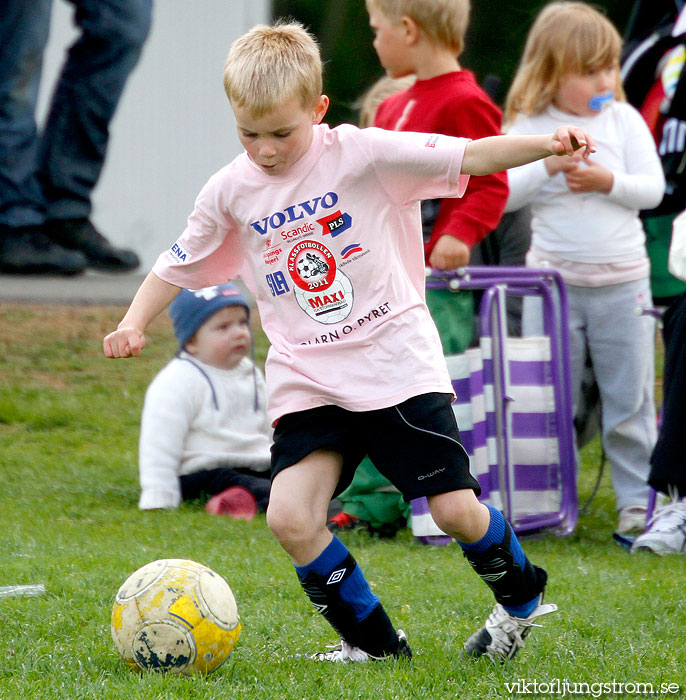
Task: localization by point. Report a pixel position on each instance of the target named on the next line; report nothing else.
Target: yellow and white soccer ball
(175, 615)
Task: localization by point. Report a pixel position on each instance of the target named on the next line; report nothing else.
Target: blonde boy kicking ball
(323, 227)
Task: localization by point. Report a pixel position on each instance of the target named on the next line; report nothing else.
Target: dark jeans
(208, 482)
(668, 462)
(52, 174)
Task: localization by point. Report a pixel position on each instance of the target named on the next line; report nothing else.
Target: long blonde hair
(566, 37)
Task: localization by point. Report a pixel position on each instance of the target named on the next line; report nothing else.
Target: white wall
(173, 127)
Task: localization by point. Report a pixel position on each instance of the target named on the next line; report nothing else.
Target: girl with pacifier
(586, 226)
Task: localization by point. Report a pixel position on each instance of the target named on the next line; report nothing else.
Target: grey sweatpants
(606, 322)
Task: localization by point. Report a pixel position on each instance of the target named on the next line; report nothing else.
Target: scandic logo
(295, 212)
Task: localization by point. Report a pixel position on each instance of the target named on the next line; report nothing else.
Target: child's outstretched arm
(495, 153)
(152, 297)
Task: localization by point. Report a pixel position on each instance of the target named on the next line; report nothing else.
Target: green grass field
(68, 506)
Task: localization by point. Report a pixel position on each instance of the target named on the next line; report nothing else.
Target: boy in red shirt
(426, 39)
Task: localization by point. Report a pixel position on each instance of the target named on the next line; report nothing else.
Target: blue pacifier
(598, 102)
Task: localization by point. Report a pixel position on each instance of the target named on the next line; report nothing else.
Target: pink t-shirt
(332, 251)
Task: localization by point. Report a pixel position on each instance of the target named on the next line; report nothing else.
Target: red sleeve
(456, 106)
(389, 111)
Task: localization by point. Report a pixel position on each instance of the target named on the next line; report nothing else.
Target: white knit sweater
(200, 417)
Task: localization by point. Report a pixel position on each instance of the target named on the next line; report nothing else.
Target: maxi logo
(295, 212)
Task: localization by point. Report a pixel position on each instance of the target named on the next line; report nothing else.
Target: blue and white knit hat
(192, 307)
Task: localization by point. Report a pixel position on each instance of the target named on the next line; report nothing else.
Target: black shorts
(415, 444)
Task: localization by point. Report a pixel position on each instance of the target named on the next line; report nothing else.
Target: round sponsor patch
(322, 291)
(311, 266)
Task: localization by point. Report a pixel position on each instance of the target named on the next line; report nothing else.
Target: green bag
(453, 314)
(658, 237)
(373, 499)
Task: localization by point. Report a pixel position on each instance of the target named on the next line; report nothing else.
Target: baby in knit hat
(204, 428)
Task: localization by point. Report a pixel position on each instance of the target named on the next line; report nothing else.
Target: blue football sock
(495, 536)
(523, 610)
(354, 589)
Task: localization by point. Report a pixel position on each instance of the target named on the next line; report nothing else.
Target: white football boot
(502, 636)
(344, 652)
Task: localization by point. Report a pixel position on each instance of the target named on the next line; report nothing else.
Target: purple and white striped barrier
(513, 404)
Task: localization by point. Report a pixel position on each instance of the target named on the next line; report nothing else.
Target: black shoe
(28, 251)
(80, 234)
(404, 651)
